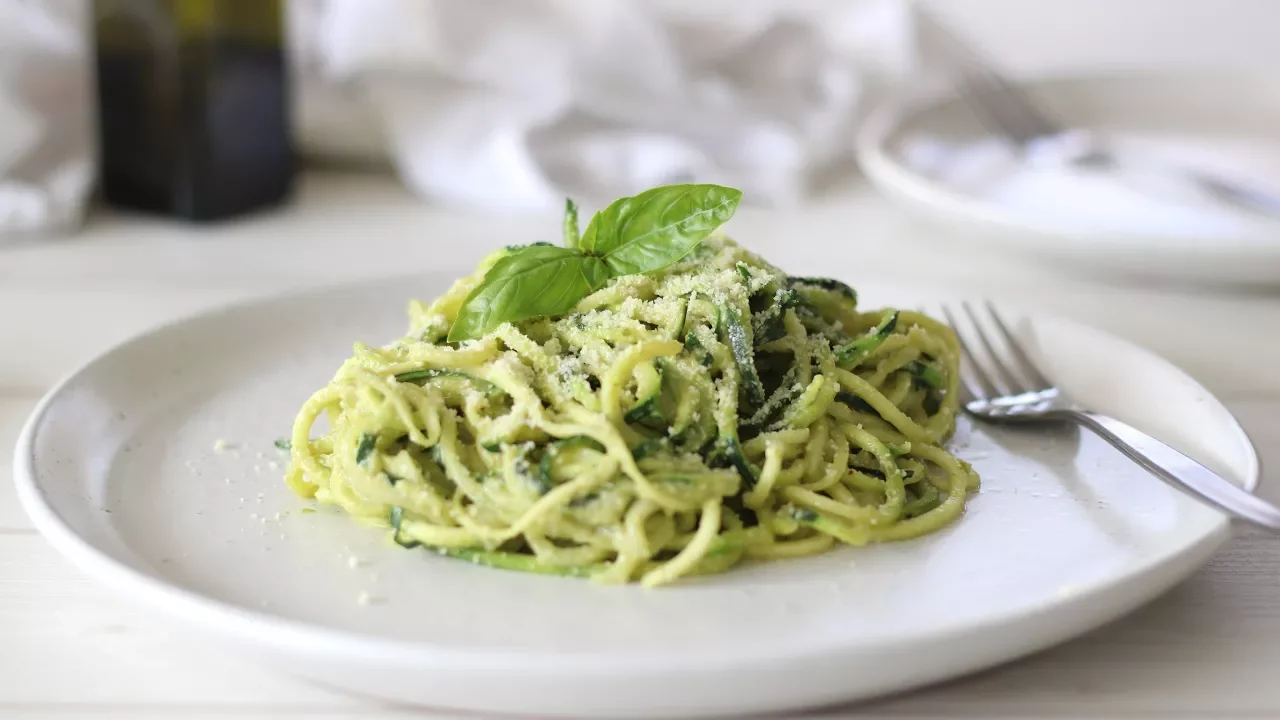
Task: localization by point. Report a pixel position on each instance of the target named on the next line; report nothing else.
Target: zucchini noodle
(674, 424)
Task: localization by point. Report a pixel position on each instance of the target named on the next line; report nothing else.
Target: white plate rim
(996, 230)
(292, 636)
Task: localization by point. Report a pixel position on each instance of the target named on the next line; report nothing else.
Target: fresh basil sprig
(633, 235)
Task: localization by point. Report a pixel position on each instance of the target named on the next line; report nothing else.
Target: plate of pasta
(640, 472)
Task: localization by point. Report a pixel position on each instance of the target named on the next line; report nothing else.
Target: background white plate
(1221, 121)
(117, 467)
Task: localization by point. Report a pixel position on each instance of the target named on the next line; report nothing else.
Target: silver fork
(1006, 109)
(1000, 383)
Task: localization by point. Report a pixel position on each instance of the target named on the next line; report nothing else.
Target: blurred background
(197, 108)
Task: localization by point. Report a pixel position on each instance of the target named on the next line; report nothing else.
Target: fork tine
(1007, 381)
(1010, 100)
(982, 75)
(1026, 367)
(999, 101)
(974, 382)
(995, 106)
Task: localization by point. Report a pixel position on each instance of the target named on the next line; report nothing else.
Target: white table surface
(68, 649)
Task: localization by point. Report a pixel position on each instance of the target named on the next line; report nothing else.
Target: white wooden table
(68, 649)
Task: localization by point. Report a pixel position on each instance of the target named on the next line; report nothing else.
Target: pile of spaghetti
(675, 423)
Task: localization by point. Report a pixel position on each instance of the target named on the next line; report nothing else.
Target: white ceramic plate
(118, 468)
(932, 156)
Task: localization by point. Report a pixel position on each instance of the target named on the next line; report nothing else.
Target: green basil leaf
(570, 224)
(657, 227)
(531, 281)
(587, 243)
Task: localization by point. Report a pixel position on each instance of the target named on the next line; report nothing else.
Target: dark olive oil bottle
(193, 106)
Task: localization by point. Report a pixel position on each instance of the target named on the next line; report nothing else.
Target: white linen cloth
(514, 104)
(46, 115)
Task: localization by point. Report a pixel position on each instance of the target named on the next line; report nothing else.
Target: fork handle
(1180, 471)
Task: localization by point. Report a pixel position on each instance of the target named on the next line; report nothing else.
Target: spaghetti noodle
(675, 423)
